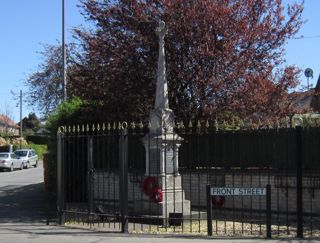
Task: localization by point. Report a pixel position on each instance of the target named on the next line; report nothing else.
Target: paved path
(26, 233)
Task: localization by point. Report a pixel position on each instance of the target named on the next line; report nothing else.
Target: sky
(26, 24)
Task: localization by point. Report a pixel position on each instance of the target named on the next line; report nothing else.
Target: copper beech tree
(45, 86)
(222, 56)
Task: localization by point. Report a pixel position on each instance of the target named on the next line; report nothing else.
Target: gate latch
(91, 171)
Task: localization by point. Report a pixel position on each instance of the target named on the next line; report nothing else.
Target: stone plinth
(173, 199)
(162, 153)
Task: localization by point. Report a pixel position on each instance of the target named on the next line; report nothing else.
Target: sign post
(209, 210)
(268, 210)
(239, 191)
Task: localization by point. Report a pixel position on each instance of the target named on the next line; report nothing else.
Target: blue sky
(25, 24)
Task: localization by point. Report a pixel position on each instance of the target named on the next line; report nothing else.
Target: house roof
(303, 100)
(308, 100)
(7, 121)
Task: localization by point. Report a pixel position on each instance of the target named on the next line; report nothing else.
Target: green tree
(30, 123)
(66, 113)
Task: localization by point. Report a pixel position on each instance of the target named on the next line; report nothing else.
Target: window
(21, 153)
(4, 156)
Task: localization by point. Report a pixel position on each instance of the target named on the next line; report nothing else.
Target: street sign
(238, 191)
(213, 192)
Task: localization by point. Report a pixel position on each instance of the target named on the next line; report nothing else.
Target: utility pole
(20, 118)
(64, 79)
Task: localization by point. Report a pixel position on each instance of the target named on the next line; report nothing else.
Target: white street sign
(238, 191)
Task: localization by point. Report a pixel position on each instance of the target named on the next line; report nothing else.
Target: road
(22, 197)
(21, 177)
(25, 207)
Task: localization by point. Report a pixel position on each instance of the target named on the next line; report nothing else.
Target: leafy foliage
(66, 113)
(222, 57)
(40, 149)
(46, 85)
(30, 124)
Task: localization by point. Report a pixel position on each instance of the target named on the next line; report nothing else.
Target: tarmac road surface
(23, 198)
(25, 208)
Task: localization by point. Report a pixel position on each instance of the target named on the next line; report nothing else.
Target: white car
(28, 157)
(10, 161)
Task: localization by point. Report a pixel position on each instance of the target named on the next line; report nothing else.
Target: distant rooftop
(7, 121)
(308, 100)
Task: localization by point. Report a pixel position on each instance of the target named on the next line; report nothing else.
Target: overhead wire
(306, 37)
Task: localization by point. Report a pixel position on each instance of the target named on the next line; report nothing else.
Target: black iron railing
(104, 180)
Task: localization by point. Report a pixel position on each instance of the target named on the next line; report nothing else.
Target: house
(308, 100)
(8, 127)
(315, 101)
(307, 105)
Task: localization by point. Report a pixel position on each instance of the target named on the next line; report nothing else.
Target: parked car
(28, 157)
(10, 161)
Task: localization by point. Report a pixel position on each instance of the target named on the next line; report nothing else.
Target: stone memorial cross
(162, 101)
(162, 116)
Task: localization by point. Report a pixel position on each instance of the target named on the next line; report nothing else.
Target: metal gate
(88, 169)
(103, 181)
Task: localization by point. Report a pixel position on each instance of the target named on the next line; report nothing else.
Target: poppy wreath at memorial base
(150, 188)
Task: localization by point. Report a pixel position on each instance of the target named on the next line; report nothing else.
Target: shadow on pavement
(26, 204)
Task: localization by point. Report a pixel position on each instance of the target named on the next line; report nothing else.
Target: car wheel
(11, 168)
(36, 165)
(21, 166)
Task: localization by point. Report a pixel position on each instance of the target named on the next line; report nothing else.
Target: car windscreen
(21, 153)
(4, 156)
